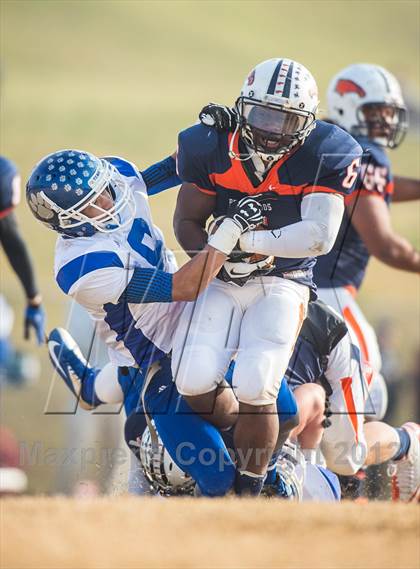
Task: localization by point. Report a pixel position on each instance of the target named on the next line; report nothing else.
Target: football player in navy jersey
(366, 101)
(301, 169)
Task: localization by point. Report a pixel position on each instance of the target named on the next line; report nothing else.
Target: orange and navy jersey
(327, 162)
(346, 263)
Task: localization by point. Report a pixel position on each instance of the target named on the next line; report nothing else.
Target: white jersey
(95, 271)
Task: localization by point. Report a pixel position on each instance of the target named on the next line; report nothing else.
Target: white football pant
(363, 335)
(259, 322)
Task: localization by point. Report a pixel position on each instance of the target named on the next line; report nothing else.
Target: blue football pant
(195, 445)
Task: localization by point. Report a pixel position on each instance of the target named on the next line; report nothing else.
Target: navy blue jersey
(9, 190)
(328, 161)
(305, 365)
(346, 263)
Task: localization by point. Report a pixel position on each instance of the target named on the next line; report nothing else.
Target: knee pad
(198, 371)
(255, 381)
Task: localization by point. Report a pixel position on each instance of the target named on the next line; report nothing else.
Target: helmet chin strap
(232, 153)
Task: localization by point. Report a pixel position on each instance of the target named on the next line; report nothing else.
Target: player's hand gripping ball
(241, 265)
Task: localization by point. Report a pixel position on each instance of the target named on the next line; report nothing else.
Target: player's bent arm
(191, 279)
(371, 218)
(406, 189)
(114, 283)
(315, 235)
(192, 210)
(152, 285)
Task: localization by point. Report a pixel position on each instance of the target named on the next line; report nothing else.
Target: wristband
(226, 236)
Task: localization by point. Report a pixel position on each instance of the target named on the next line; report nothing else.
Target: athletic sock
(248, 483)
(227, 436)
(88, 392)
(272, 470)
(404, 444)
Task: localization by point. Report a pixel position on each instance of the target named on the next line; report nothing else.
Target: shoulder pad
(323, 327)
(200, 151)
(198, 141)
(124, 167)
(332, 147)
(373, 153)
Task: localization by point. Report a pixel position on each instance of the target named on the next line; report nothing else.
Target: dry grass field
(123, 533)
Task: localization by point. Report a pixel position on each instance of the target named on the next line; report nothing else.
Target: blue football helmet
(63, 184)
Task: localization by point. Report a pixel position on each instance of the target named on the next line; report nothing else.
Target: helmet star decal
(65, 191)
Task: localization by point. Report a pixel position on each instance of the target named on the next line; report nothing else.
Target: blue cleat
(70, 364)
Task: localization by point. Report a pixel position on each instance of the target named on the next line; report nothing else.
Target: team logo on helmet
(40, 206)
(345, 86)
(251, 78)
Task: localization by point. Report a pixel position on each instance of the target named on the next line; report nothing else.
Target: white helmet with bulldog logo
(277, 108)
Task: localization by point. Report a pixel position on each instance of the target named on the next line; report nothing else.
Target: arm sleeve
(314, 235)
(161, 176)
(148, 285)
(18, 254)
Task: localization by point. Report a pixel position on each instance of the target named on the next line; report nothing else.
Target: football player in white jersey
(326, 367)
(112, 260)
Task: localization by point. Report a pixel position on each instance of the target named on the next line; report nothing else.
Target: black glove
(220, 117)
(247, 213)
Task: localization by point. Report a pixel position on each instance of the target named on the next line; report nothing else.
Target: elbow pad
(148, 285)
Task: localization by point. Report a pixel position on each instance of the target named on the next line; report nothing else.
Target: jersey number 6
(352, 173)
(138, 231)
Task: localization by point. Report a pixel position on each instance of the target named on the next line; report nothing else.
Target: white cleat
(406, 472)
(70, 364)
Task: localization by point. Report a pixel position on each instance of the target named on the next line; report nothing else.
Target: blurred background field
(124, 77)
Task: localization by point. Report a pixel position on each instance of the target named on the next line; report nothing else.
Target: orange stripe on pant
(351, 321)
(351, 408)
